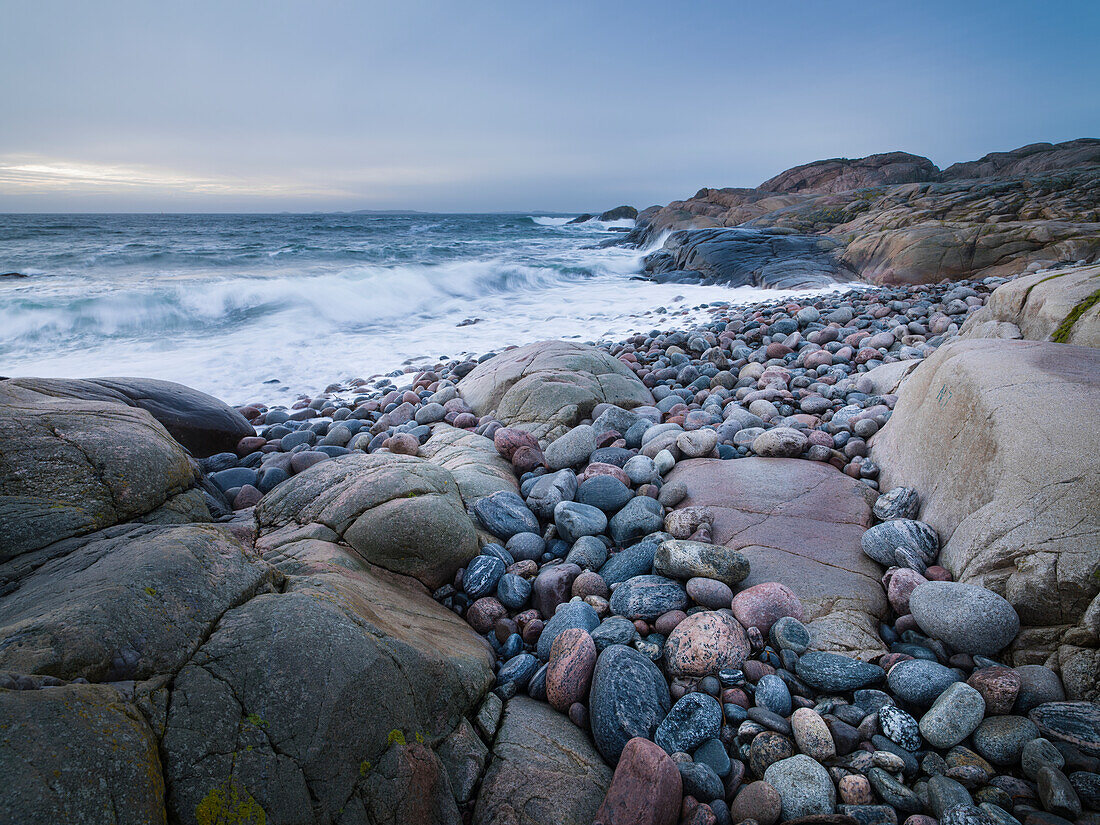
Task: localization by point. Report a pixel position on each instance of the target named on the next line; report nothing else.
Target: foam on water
(227, 306)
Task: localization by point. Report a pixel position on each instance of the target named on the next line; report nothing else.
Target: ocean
(268, 307)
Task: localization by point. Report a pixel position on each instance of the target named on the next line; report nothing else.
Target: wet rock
(569, 670)
(761, 605)
(694, 719)
(628, 698)
(647, 597)
(832, 672)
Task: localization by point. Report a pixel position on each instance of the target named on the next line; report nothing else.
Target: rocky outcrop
(473, 460)
(77, 753)
(843, 175)
(544, 771)
(200, 422)
(547, 387)
(797, 522)
(769, 258)
(399, 512)
(1062, 305)
(69, 466)
(619, 213)
(999, 438)
(901, 221)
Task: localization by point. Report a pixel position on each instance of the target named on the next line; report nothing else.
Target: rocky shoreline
(823, 561)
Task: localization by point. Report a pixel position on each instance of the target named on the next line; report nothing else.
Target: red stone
(998, 686)
(598, 468)
(525, 459)
(902, 584)
(553, 585)
(763, 604)
(935, 573)
(667, 622)
(482, 615)
(705, 643)
(247, 496)
(249, 444)
(508, 439)
(569, 669)
(645, 790)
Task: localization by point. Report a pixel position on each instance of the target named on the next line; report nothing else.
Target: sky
(485, 106)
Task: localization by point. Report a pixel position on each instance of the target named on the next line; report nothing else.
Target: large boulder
(77, 753)
(69, 466)
(999, 438)
(1061, 306)
(746, 256)
(798, 522)
(473, 460)
(313, 700)
(200, 422)
(547, 387)
(400, 512)
(843, 174)
(128, 602)
(544, 771)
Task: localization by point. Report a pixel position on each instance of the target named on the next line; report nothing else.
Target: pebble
(999, 686)
(970, 619)
(900, 502)
(880, 541)
(709, 593)
(700, 781)
(899, 727)
(588, 553)
(832, 672)
(606, 493)
(569, 669)
(920, 682)
(574, 520)
(761, 605)
(1057, 794)
(646, 788)
(571, 449)
(640, 517)
(569, 615)
(779, 442)
(767, 748)
(789, 633)
(705, 643)
(1077, 723)
(757, 801)
(953, 716)
(629, 697)
(481, 576)
(647, 597)
(504, 514)
(685, 559)
(804, 787)
(812, 735)
(1001, 739)
(694, 719)
(772, 693)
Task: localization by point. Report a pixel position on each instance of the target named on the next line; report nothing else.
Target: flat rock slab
(544, 771)
(798, 522)
(473, 460)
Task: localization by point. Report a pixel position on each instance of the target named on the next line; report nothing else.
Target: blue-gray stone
(833, 672)
(899, 727)
(549, 491)
(574, 520)
(920, 682)
(234, 477)
(499, 552)
(526, 546)
(536, 687)
(713, 753)
(604, 492)
(901, 502)
(614, 630)
(788, 633)
(636, 560)
(519, 669)
(513, 591)
(270, 478)
(291, 440)
(700, 781)
(772, 693)
(513, 646)
(880, 541)
(618, 456)
(640, 517)
(629, 698)
(694, 719)
(481, 576)
(968, 618)
(570, 614)
(647, 597)
(504, 514)
(588, 553)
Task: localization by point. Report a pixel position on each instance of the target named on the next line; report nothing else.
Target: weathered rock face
(400, 512)
(477, 467)
(974, 432)
(843, 175)
(547, 387)
(71, 753)
(124, 603)
(544, 771)
(1060, 305)
(800, 523)
(70, 466)
(200, 422)
(749, 257)
(903, 222)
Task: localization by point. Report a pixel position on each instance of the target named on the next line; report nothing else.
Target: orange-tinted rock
(704, 643)
(569, 671)
(645, 790)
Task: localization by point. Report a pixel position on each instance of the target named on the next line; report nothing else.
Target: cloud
(25, 174)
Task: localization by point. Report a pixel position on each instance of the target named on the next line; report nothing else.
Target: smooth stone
(518, 670)
(705, 643)
(899, 727)
(549, 491)
(636, 560)
(647, 597)
(640, 517)
(970, 619)
(1057, 794)
(1039, 753)
(606, 493)
(504, 514)
(713, 753)
(804, 787)
(757, 801)
(1038, 685)
(767, 748)
(1087, 786)
(901, 502)
(1001, 739)
(513, 591)
(763, 604)
(481, 576)
(614, 630)
(812, 735)
(953, 716)
(645, 790)
(628, 698)
(709, 593)
(526, 546)
(640, 470)
(772, 693)
(919, 681)
(694, 719)
(779, 442)
(588, 553)
(880, 541)
(569, 668)
(571, 449)
(685, 559)
(697, 443)
(944, 793)
(553, 586)
(832, 672)
(998, 685)
(574, 520)
(893, 792)
(569, 615)
(789, 633)
(700, 781)
(1077, 723)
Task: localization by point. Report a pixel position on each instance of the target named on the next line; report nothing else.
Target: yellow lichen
(395, 736)
(230, 806)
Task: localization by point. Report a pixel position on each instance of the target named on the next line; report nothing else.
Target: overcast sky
(471, 106)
